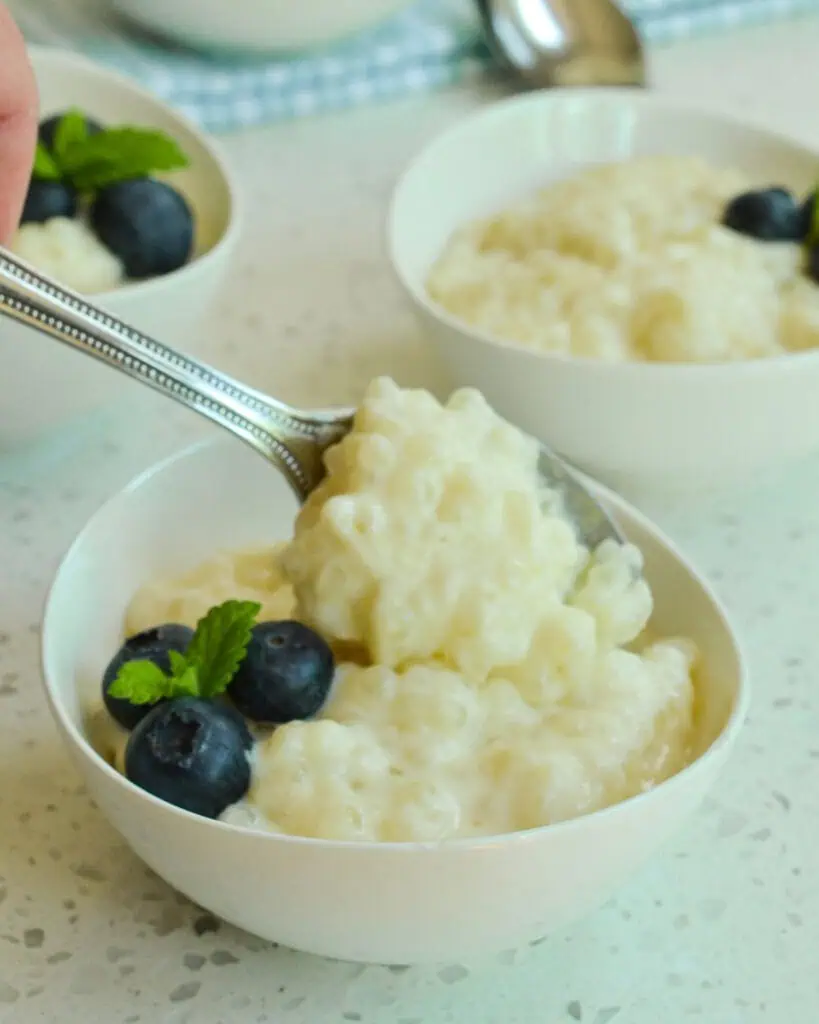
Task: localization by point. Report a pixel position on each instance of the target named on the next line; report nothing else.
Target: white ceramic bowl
(387, 903)
(636, 426)
(257, 25)
(44, 384)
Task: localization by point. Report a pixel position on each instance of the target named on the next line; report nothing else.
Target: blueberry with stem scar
(191, 753)
(286, 673)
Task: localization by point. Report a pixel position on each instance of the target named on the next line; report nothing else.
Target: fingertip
(19, 102)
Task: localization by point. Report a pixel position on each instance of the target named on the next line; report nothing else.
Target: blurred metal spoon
(564, 42)
(294, 440)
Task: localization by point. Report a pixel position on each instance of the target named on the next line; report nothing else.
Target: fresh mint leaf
(140, 682)
(45, 166)
(143, 682)
(219, 644)
(118, 154)
(71, 131)
(215, 652)
(184, 683)
(179, 663)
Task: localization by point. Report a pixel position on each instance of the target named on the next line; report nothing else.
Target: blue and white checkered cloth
(430, 44)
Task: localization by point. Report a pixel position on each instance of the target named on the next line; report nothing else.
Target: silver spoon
(564, 42)
(294, 440)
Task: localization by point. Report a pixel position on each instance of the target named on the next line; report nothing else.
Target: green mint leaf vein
(140, 682)
(219, 644)
(117, 154)
(45, 166)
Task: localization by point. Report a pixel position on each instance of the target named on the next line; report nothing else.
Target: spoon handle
(292, 439)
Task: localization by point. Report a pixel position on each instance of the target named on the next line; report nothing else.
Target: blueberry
(769, 215)
(146, 223)
(151, 645)
(48, 128)
(47, 199)
(286, 673)
(233, 712)
(191, 753)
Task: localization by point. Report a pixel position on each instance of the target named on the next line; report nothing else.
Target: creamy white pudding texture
(493, 675)
(629, 261)
(69, 251)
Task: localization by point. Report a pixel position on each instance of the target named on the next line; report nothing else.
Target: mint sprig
(92, 161)
(117, 154)
(220, 643)
(142, 682)
(71, 131)
(218, 646)
(45, 166)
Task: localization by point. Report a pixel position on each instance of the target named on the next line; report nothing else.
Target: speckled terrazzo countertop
(722, 928)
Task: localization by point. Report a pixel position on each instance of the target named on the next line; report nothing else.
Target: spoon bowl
(564, 42)
(294, 440)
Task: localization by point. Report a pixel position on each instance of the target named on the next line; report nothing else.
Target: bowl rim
(485, 117)
(721, 744)
(147, 288)
(200, 43)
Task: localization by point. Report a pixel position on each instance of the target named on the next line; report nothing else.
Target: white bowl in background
(637, 426)
(44, 384)
(383, 903)
(257, 25)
